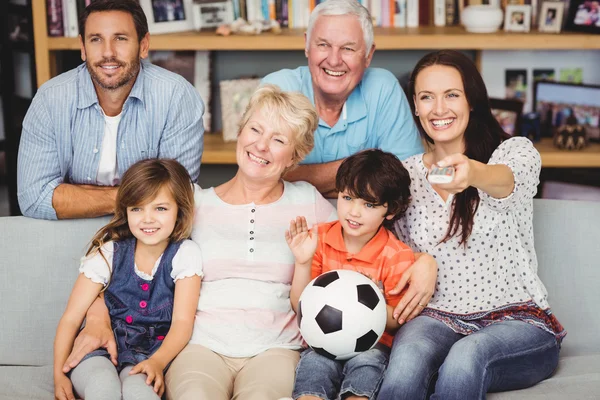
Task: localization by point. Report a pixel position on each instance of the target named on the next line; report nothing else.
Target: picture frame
(211, 13)
(517, 18)
(509, 113)
(584, 16)
(555, 101)
(235, 96)
(168, 16)
(551, 16)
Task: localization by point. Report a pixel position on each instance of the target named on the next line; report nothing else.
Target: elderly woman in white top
(488, 326)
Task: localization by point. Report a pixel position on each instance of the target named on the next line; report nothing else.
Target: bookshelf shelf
(216, 151)
(423, 38)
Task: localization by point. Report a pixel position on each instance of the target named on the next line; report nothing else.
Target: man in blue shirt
(85, 127)
(359, 107)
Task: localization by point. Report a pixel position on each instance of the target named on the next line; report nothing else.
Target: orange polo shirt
(383, 259)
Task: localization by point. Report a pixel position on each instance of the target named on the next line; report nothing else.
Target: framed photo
(166, 16)
(508, 113)
(517, 18)
(235, 96)
(211, 13)
(556, 101)
(584, 16)
(551, 16)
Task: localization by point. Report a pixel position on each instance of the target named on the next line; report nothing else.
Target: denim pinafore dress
(140, 310)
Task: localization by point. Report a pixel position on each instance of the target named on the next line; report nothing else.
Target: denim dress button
(143, 304)
(129, 319)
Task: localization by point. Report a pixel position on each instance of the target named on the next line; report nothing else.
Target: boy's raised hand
(63, 389)
(154, 370)
(301, 240)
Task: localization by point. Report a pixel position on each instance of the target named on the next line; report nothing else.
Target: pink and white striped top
(244, 306)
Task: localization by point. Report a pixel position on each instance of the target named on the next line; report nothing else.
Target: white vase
(482, 18)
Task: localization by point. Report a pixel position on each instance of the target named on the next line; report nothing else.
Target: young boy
(374, 191)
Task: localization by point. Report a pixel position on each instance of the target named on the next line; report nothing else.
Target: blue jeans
(328, 379)
(503, 356)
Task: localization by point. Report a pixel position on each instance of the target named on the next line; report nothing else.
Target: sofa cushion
(576, 378)
(26, 383)
(35, 282)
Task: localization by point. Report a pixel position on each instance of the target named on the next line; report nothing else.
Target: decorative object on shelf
(508, 114)
(168, 16)
(551, 16)
(570, 135)
(235, 95)
(481, 18)
(530, 126)
(211, 13)
(558, 101)
(584, 16)
(194, 66)
(517, 18)
(515, 82)
(571, 75)
(241, 27)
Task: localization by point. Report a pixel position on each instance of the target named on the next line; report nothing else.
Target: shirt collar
(87, 91)
(369, 253)
(354, 109)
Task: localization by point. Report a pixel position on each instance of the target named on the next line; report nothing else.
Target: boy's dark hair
(377, 177)
(131, 7)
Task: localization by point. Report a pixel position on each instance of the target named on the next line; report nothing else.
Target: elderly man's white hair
(343, 7)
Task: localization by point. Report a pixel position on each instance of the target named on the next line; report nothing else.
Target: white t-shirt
(108, 174)
(187, 262)
(499, 264)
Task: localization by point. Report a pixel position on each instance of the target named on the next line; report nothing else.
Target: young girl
(488, 327)
(150, 276)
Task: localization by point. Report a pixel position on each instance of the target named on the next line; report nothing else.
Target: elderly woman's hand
(421, 278)
(301, 240)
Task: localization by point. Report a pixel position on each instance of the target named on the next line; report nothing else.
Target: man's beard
(131, 71)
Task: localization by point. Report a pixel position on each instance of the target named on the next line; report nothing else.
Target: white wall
(494, 64)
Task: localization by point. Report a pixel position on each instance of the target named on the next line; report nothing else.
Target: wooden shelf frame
(423, 38)
(216, 151)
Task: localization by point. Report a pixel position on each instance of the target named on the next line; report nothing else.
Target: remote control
(440, 175)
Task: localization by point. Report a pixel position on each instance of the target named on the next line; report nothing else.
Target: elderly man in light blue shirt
(85, 127)
(359, 107)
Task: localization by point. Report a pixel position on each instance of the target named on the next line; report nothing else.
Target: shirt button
(251, 238)
(252, 220)
(253, 210)
(161, 337)
(95, 151)
(252, 232)
(145, 287)
(251, 250)
(143, 304)
(129, 319)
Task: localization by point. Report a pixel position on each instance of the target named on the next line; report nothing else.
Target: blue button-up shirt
(63, 131)
(375, 115)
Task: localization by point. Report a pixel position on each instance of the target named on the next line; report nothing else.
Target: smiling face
(152, 223)
(111, 49)
(360, 219)
(441, 104)
(337, 55)
(264, 149)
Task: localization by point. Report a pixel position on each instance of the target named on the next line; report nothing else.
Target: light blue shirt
(63, 131)
(375, 115)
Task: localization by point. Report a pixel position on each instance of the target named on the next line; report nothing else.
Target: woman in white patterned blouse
(488, 327)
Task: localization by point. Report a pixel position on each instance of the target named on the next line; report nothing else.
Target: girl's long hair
(140, 184)
(482, 135)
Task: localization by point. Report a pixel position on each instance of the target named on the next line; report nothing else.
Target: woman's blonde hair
(140, 184)
(291, 111)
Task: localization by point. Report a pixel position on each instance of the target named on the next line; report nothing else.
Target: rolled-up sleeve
(38, 169)
(183, 136)
(525, 162)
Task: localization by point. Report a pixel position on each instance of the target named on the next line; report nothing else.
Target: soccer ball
(341, 313)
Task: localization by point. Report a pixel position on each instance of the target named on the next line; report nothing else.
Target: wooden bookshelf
(216, 151)
(423, 38)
